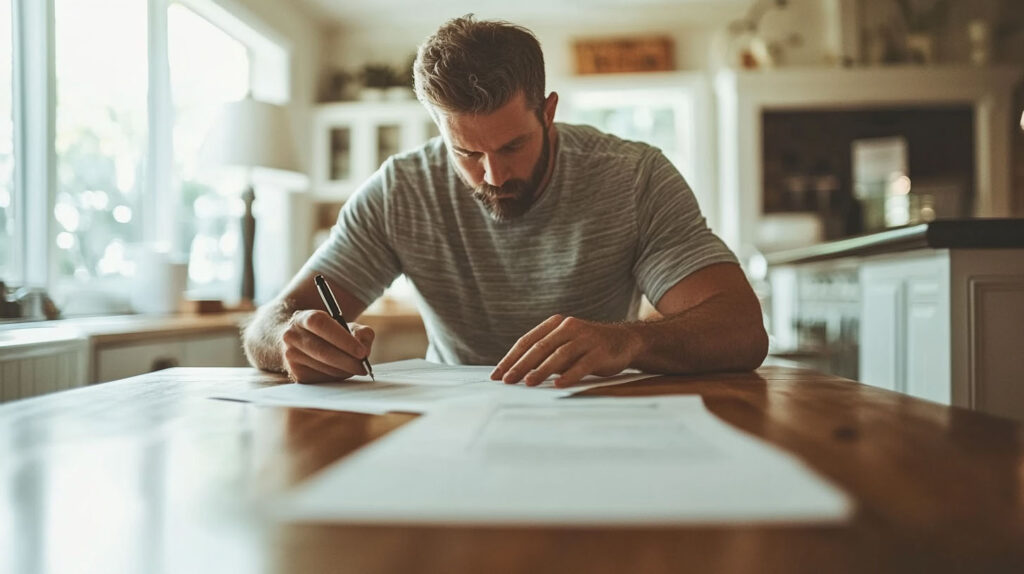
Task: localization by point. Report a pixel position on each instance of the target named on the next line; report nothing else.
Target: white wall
(353, 44)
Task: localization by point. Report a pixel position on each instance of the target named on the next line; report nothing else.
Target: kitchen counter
(117, 328)
(114, 329)
(944, 234)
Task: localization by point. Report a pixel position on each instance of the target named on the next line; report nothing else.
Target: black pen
(332, 307)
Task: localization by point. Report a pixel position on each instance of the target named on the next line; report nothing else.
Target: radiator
(35, 364)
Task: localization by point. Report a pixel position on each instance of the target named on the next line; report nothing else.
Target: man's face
(503, 156)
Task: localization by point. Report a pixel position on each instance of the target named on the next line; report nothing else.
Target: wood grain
(149, 475)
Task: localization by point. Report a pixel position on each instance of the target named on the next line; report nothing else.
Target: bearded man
(529, 242)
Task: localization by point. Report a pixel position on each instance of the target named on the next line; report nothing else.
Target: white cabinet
(119, 361)
(40, 365)
(881, 348)
(946, 325)
(905, 343)
(123, 361)
(352, 139)
(929, 359)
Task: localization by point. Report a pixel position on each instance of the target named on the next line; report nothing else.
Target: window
(208, 68)
(6, 141)
(101, 139)
(113, 99)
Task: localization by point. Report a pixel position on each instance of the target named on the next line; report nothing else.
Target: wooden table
(148, 475)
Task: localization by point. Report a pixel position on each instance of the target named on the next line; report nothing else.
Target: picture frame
(624, 55)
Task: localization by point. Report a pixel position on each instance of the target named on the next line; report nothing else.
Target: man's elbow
(754, 347)
(258, 344)
(249, 347)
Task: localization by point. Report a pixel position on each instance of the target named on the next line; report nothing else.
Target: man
(529, 242)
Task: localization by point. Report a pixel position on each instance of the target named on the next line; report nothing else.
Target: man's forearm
(719, 334)
(261, 338)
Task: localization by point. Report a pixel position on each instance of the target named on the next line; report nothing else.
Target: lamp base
(248, 242)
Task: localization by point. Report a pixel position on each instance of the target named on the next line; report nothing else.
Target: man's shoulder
(413, 183)
(427, 160)
(589, 142)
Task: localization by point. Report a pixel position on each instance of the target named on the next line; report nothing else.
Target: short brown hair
(471, 66)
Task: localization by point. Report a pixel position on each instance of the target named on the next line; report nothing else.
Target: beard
(514, 198)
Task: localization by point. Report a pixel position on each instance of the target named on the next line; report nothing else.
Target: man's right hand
(315, 348)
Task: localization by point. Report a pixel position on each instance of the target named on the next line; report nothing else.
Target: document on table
(416, 386)
(579, 462)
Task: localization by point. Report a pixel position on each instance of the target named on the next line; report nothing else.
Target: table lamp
(250, 134)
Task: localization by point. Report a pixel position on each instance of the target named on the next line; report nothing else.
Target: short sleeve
(674, 238)
(358, 256)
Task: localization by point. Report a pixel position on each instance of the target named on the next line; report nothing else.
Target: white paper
(414, 386)
(587, 461)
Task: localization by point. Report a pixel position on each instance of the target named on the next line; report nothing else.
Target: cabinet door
(881, 332)
(928, 362)
(905, 325)
(45, 368)
(122, 361)
(219, 351)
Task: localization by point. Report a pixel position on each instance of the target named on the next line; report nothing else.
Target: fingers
(561, 360)
(571, 347)
(364, 335)
(558, 346)
(302, 368)
(325, 327)
(316, 348)
(522, 346)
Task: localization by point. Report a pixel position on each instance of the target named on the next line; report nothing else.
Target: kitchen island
(933, 310)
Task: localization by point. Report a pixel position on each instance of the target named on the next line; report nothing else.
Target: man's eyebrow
(515, 141)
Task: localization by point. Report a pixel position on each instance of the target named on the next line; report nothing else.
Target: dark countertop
(944, 234)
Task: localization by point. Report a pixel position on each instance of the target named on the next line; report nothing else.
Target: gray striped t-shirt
(615, 220)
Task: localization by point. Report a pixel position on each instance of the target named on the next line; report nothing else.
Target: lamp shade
(249, 133)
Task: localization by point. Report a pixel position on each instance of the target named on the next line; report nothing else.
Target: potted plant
(376, 78)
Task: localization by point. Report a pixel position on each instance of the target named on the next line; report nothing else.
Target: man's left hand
(571, 347)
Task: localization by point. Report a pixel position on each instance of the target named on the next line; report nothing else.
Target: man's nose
(495, 171)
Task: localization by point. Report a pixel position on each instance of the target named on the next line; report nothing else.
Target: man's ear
(550, 104)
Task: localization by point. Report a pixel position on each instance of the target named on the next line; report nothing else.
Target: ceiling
(348, 13)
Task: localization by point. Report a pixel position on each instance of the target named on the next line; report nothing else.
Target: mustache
(517, 188)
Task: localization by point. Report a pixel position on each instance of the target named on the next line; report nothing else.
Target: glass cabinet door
(389, 142)
(340, 153)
